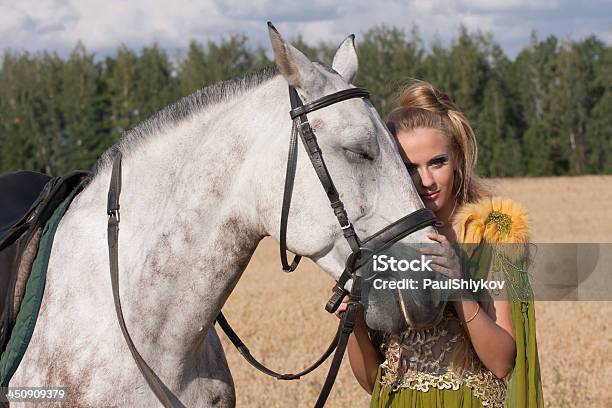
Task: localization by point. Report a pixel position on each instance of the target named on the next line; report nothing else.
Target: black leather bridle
(376, 243)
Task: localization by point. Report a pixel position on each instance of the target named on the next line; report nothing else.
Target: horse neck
(189, 219)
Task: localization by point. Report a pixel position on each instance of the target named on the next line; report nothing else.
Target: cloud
(497, 5)
(280, 10)
(103, 26)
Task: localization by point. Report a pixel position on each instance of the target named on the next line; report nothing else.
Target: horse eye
(357, 156)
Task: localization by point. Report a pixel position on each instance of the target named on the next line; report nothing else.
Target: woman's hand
(444, 260)
(342, 307)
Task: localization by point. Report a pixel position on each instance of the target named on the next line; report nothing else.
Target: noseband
(373, 244)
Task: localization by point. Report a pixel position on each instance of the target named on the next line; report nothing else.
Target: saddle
(27, 200)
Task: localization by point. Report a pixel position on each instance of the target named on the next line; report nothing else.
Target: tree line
(545, 112)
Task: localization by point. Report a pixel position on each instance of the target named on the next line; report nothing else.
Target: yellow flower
(495, 220)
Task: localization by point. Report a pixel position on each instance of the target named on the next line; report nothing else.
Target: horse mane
(179, 110)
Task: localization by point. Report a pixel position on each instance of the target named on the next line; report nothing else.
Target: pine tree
(155, 85)
(531, 77)
(193, 69)
(120, 78)
(84, 112)
(387, 62)
(599, 126)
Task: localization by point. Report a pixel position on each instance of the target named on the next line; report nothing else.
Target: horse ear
(292, 64)
(345, 61)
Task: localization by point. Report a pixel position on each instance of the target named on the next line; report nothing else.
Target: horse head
(368, 172)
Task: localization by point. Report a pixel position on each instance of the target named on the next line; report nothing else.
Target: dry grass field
(281, 317)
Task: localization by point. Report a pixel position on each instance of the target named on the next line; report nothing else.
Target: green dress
(434, 397)
(429, 377)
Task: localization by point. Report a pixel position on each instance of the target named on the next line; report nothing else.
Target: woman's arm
(490, 332)
(490, 329)
(363, 357)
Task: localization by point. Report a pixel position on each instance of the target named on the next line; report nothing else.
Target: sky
(57, 25)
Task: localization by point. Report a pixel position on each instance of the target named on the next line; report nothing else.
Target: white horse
(202, 185)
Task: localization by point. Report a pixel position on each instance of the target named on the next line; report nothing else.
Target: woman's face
(430, 164)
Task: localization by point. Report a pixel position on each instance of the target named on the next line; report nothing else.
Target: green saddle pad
(35, 287)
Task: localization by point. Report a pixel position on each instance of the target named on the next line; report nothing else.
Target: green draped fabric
(524, 385)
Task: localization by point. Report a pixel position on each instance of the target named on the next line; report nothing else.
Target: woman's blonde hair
(423, 106)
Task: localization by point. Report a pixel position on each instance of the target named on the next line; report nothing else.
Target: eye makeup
(438, 161)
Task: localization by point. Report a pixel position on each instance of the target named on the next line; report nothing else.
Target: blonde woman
(482, 352)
